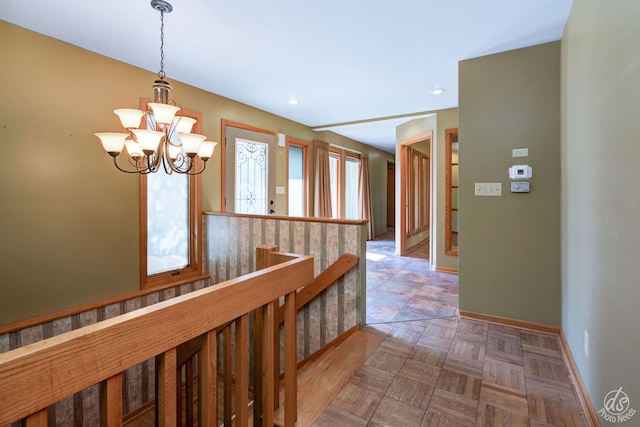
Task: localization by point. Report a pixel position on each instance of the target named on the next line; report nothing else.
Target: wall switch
(520, 152)
(488, 189)
(282, 140)
(586, 344)
(280, 190)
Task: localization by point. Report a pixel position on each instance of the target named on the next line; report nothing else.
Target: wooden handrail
(38, 375)
(338, 269)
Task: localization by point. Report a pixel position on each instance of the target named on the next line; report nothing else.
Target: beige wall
(70, 221)
(510, 245)
(600, 197)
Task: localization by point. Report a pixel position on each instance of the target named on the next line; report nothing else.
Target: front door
(250, 172)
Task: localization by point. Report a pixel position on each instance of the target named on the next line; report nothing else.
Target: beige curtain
(322, 203)
(364, 195)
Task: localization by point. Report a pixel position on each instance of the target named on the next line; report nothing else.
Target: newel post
(263, 260)
(263, 256)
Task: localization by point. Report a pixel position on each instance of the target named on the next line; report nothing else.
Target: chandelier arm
(167, 164)
(175, 167)
(153, 161)
(135, 165)
(204, 165)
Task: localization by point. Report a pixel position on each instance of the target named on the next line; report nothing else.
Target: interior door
(250, 171)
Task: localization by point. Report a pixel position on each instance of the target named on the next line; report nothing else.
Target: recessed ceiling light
(438, 90)
(293, 101)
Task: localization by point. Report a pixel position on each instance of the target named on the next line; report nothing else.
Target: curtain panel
(364, 195)
(322, 193)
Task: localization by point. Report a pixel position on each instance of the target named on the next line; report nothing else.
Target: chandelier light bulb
(183, 124)
(163, 113)
(112, 142)
(174, 151)
(206, 150)
(148, 140)
(134, 150)
(191, 142)
(129, 117)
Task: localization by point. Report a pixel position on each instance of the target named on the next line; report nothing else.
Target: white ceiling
(348, 62)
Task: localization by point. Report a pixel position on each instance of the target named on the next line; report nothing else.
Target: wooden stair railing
(268, 256)
(38, 375)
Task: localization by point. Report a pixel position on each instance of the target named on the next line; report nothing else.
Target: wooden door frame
(401, 239)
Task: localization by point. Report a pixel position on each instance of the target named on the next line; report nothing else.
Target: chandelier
(165, 140)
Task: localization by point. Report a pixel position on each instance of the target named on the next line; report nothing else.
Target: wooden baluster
(258, 355)
(242, 370)
(166, 398)
(179, 409)
(208, 382)
(111, 401)
(189, 392)
(290, 361)
(228, 377)
(270, 381)
(276, 357)
(37, 419)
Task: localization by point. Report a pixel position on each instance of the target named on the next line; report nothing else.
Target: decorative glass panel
(251, 177)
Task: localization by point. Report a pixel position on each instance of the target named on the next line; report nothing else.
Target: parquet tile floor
(456, 372)
(433, 369)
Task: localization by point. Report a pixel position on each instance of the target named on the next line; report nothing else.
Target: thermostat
(520, 187)
(520, 172)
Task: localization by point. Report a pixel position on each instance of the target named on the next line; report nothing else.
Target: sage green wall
(438, 123)
(447, 119)
(69, 221)
(600, 197)
(510, 245)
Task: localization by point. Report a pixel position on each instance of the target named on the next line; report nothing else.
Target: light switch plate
(520, 152)
(488, 189)
(280, 190)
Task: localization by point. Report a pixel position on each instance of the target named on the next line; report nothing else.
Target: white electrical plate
(488, 189)
(280, 190)
(520, 152)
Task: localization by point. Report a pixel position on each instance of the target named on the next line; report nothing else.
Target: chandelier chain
(161, 73)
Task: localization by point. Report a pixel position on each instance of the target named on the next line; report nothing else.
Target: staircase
(320, 380)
